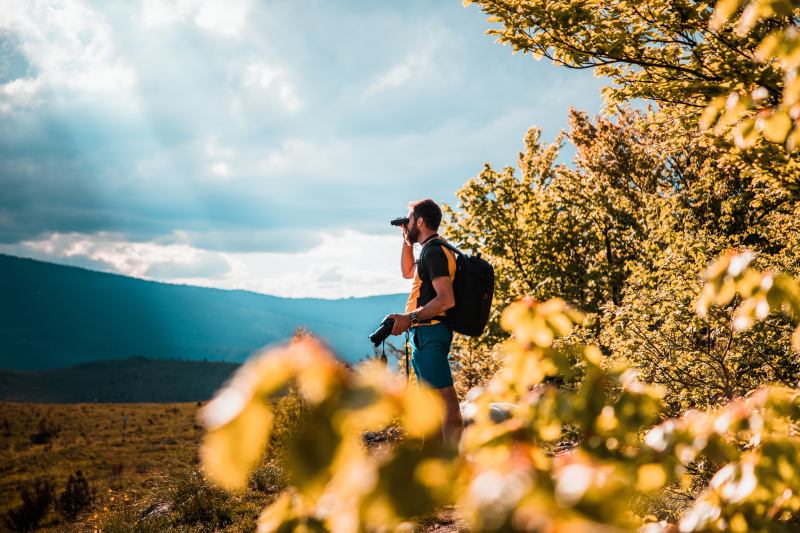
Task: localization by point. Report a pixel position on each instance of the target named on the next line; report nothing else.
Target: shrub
(474, 365)
(47, 432)
(128, 520)
(194, 501)
(76, 497)
(269, 478)
(36, 500)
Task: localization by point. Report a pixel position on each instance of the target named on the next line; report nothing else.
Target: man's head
(423, 216)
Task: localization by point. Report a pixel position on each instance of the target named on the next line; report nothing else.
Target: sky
(253, 145)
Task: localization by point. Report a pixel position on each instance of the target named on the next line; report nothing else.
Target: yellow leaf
(274, 516)
(650, 477)
(739, 524)
(229, 453)
(594, 355)
(745, 134)
(422, 411)
(550, 432)
(777, 126)
(722, 12)
(766, 49)
(711, 112)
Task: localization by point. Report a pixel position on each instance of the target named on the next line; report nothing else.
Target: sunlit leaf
(230, 452)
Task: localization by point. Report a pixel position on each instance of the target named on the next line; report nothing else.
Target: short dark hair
(428, 211)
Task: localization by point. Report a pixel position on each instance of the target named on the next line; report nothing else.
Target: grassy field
(142, 461)
(136, 456)
(118, 446)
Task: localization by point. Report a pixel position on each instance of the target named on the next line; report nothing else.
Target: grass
(126, 451)
(141, 460)
(118, 447)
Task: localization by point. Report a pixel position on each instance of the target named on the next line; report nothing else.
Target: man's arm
(407, 259)
(444, 300)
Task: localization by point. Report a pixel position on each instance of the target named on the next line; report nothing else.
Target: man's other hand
(401, 324)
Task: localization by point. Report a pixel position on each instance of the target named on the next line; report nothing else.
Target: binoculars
(401, 221)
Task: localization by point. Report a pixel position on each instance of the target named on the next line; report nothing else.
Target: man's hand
(401, 324)
(404, 227)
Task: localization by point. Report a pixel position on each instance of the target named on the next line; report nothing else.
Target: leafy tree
(670, 54)
(623, 236)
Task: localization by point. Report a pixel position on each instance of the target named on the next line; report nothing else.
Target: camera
(401, 221)
(383, 331)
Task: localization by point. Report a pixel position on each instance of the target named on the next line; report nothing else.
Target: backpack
(473, 288)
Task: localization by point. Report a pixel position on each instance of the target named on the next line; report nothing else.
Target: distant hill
(53, 316)
(136, 379)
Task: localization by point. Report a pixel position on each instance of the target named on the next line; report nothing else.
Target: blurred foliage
(335, 482)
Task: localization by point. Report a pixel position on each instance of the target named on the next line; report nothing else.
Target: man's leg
(453, 425)
(431, 346)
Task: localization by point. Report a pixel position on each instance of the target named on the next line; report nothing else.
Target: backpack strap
(443, 243)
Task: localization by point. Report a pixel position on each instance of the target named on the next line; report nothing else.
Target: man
(431, 295)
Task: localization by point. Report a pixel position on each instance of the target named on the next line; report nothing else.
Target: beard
(413, 234)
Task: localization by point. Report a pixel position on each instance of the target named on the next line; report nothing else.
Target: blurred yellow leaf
(739, 524)
(650, 477)
(422, 411)
(722, 12)
(777, 126)
(229, 453)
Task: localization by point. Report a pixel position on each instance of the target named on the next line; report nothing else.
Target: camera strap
(407, 370)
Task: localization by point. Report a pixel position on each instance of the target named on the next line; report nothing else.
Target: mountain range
(55, 316)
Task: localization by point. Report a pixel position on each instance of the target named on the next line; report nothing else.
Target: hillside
(53, 316)
(136, 379)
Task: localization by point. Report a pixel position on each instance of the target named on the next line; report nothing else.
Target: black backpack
(473, 288)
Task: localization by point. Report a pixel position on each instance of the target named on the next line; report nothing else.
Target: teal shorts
(430, 347)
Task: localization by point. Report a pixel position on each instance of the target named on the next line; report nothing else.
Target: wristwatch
(414, 318)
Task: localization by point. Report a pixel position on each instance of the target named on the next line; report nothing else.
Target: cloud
(223, 17)
(272, 80)
(221, 169)
(339, 265)
(19, 93)
(413, 66)
(418, 65)
(226, 17)
(137, 259)
(172, 124)
(163, 12)
(69, 45)
(247, 240)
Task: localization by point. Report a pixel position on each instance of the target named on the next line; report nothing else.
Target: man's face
(413, 229)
